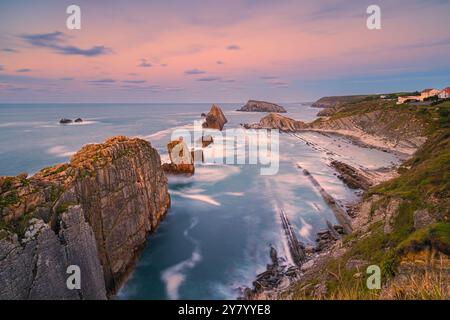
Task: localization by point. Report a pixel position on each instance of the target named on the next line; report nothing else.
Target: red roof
(447, 90)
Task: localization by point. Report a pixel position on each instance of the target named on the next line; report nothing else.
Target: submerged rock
(94, 212)
(78, 120)
(65, 121)
(261, 106)
(215, 119)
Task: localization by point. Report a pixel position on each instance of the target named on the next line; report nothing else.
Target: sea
(217, 235)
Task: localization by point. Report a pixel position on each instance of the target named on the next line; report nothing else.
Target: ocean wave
(162, 133)
(60, 151)
(214, 173)
(20, 124)
(174, 276)
(198, 197)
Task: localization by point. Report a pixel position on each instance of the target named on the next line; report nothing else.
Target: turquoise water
(217, 234)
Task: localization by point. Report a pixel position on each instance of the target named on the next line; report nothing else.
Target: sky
(219, 51)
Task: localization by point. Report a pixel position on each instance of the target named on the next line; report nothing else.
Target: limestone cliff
(261, 106)
(385, 128)
(94, 212)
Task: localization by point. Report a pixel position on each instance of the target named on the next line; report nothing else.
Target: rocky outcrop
(94, 212)
(181, 159)
(65, 121)
(262, 106)
(387, 129)
(351, 176)
(276, 121)
(215, 119)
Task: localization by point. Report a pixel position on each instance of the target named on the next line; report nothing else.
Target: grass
(424, 184)
(426, 285)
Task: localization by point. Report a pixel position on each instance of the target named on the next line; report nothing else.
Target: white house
(427, 93)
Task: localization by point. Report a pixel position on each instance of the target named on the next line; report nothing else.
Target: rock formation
(94, 212)
(276, 121)
(65, 121)
(181, 159)
(215, 119)
(351, 176)
(262, 106)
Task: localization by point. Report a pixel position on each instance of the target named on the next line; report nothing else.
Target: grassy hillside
(413, 255)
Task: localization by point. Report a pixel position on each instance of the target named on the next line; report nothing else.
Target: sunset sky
(219, 51)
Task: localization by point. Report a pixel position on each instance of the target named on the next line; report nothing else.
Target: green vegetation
(424, 184)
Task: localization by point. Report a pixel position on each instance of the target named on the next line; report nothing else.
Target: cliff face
(94, 212)
(215, 119)
(261, 106)
(385, 128)
(276, 121)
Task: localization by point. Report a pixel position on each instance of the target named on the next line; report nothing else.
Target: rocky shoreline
(94, 212)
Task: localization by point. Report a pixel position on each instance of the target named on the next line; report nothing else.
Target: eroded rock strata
(94, 212)
(276, 121)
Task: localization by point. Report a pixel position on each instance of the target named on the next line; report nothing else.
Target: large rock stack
(215, 119)
(94, 212)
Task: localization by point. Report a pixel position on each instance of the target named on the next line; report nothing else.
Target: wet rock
(181, 159)
(78, 120)
(178, 169)
(65, 121)
(215, 119)
(351, 177)
(206, 141)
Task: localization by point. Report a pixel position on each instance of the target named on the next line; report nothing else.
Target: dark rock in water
(178, 169)
(206, 141)
(203, 115)
(273, 255)
(262, 106)
(351, 176)
(215, 119)
(78, 120)
(65, 121)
